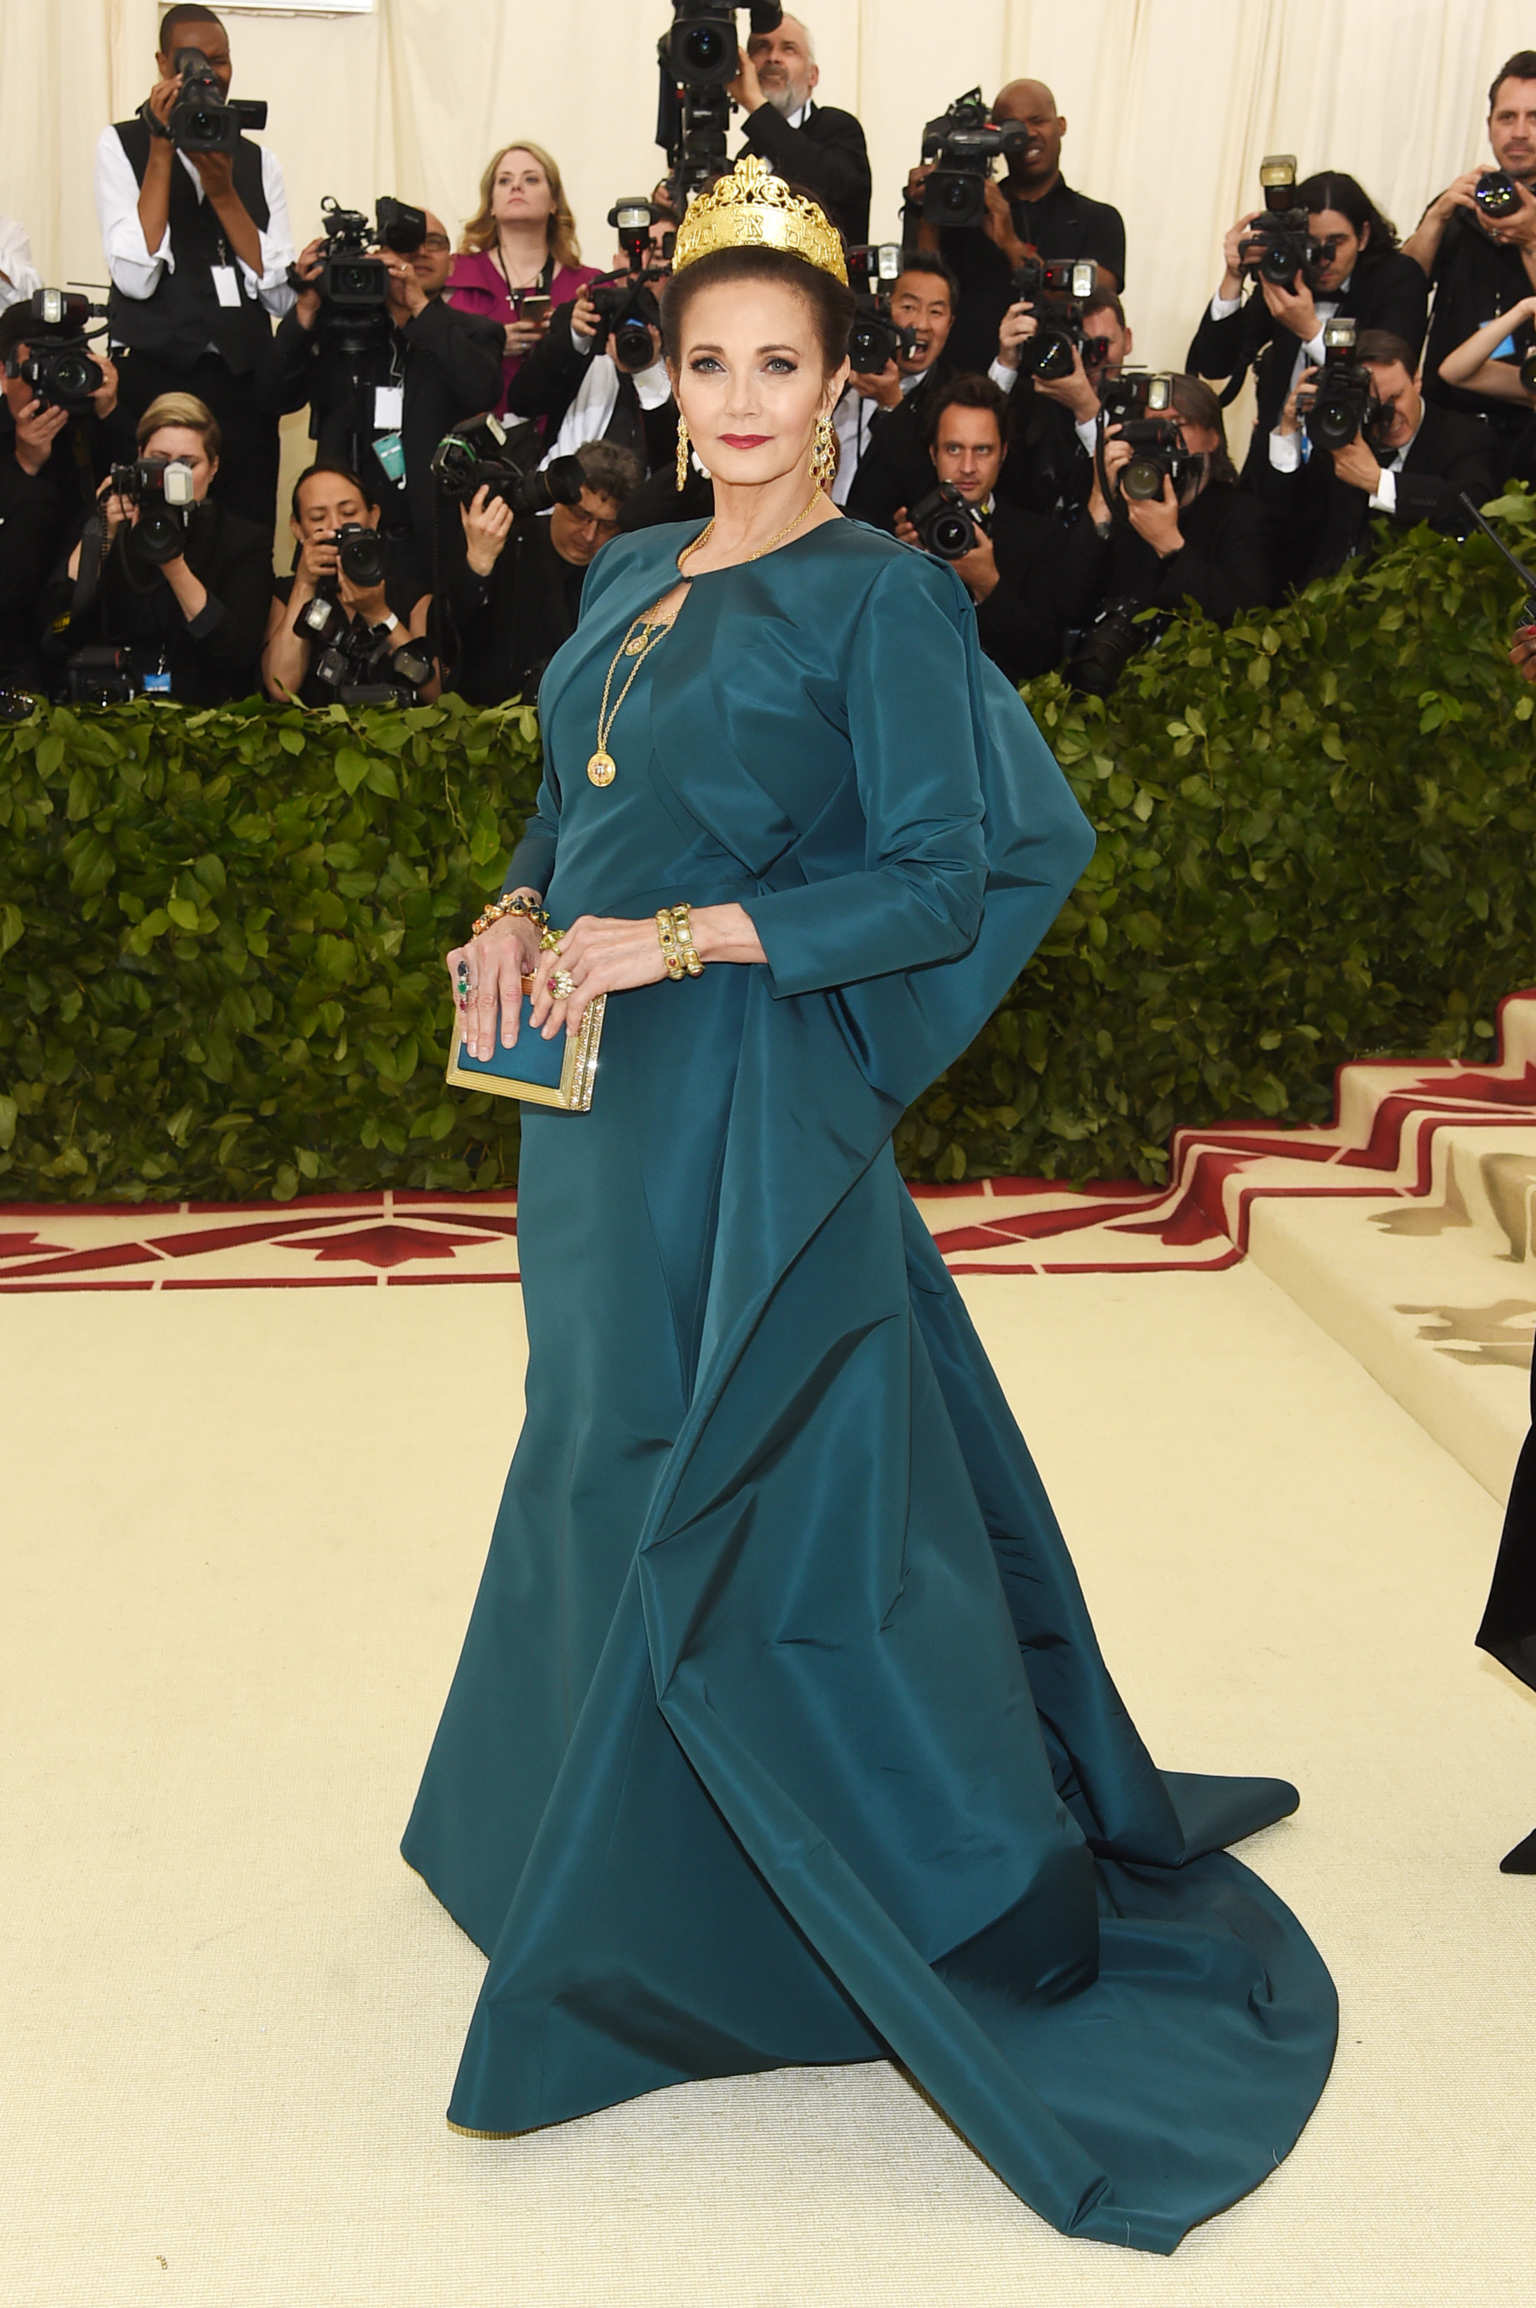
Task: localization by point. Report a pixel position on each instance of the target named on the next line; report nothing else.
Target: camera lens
(71, 374)
(1141, 479)
(704, 48)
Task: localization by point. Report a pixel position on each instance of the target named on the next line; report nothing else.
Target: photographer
(1277, 330)
(198, 247)
(54, 453)
(593, 380)
(382, 394)
(1199, 539)
(19, 276)
(519, 593)
(882, 421)
(183, 586)
(818, 150)
(1055, 416)
(383, 613)
(1032, 210)
(1405, 463)
(1009, 565)
(1476, 243)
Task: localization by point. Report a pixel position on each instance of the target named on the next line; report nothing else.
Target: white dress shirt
(851, 421)
(136, 269)
(19, 276)
(587, 417)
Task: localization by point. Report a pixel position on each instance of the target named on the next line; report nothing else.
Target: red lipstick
(745, 440)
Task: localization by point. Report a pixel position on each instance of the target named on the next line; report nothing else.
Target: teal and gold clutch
(559, 1072)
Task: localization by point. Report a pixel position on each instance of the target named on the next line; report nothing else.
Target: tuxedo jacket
(825, 156)
(896, 469)
(1391, 294)
(1320, 522)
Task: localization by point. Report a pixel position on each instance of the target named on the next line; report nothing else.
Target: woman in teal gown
(780, 1734)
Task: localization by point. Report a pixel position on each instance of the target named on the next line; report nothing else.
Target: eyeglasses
(435, 244)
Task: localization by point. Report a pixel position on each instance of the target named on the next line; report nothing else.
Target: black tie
(627, 424)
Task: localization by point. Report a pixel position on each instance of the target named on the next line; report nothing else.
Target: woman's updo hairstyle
(832, 306)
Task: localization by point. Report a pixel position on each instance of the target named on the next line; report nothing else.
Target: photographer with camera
(385, 364)
(1357, 450)
(59, 389)
(351, 617)
(1055, 355)
(1031, 210)
(166, 573)
(1476, 244)
(194, 221)
(599, 374)
(1317, 251)
(1005, 556)
(1165, 524)
(519, 259)
(519, 593)
(883, 419)
(821, 151)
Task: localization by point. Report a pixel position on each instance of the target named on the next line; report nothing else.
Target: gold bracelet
(682, 923)
(666, 932)
(500, 907)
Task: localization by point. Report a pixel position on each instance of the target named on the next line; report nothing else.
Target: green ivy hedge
(222, 932)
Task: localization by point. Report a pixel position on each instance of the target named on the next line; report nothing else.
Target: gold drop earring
(823, 453)
(682, 452)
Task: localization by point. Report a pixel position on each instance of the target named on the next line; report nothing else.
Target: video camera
(1061, 291)
(964, 142)
(202, 118)
(486, 454)
(1344, 400)
(1279, 247)
(354, 283)
(944, 522)
(699, 56)
(165, 494)
(875, 340)
(59, 367)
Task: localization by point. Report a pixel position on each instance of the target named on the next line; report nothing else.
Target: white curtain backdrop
(1171, 104)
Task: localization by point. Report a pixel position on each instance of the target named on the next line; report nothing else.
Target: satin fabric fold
(780, 1732)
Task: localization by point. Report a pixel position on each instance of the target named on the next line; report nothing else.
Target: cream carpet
(243, 1529)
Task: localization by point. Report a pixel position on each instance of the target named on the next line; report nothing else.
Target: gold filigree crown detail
(753, 208)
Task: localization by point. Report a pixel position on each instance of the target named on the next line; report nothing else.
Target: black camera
(1106, 647)
(874, 339)
(944, 523)
(1060, 291)
(59, 367)
(1344, 401)
(1134, 393)
(354, 283)
(699, 55)
(100, 675)
(202, 118)
(1278, 247)
(1497, 195)
(486, 454)
(1140, 403)
(627, 312)
(964, 142)
(165, 494)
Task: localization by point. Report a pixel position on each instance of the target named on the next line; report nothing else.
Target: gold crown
(753, 208)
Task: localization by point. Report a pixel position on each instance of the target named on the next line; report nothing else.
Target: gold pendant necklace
(638, 642)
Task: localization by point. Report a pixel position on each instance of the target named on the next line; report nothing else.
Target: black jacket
(217, 657)
(1474, 279)
(1320, 522)
(825, 156)
(450, 366)
(1019, 623)
(40, 518)
(896, 469)
(1047, 469)
(1063, 223)
(1224, 566)
(511, 623)
(1389, 294)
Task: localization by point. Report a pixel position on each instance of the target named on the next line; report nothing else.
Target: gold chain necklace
(641, 638)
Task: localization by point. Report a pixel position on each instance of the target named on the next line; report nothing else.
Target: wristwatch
(387, 624)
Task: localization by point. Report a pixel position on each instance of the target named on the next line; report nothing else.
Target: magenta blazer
(475, 285)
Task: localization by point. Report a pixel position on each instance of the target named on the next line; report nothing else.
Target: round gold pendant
(600, 768)
(637, 647)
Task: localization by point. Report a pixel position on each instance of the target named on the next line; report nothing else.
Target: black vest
(184, 316)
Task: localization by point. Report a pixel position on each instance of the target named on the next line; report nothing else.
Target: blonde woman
(520, 246)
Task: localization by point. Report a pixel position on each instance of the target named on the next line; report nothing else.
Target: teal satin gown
(780, 1732)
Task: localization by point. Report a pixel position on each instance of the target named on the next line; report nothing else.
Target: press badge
(390, 451)
(388, 409)
(226, 286)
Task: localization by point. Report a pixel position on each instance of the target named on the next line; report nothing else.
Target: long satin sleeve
(919, 895)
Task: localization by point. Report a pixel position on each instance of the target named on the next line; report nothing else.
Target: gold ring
(562, 985)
